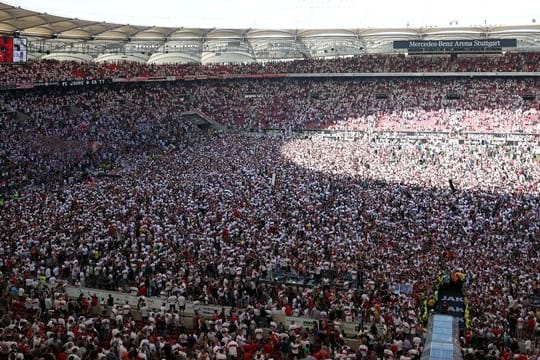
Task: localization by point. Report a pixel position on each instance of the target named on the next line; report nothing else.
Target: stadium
(262, 193)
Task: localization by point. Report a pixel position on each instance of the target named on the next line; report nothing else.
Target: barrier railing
(103, 81)
(204, 310)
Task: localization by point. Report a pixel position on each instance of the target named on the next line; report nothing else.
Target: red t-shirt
(288, 310)
(321, 354)
(531, 324)
(268, 348)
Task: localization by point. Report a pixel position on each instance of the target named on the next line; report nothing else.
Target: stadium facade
(62, 38)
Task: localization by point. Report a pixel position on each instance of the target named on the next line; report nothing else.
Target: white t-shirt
(232, 347)
(295, 348)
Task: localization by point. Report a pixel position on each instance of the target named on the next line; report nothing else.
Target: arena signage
(301, 321)
(454, 44)
(456, 307)
(69, 83)
(86, 82)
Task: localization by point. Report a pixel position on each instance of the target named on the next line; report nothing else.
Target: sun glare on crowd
(427, 163)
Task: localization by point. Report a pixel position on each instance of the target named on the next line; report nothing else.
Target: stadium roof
(42, 25)
(55, 33)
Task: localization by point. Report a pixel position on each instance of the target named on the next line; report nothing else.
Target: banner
(301, 321)
(69, 83)
(153, 303)
(158, 78)
(25, 86)
(454, 44)
(137, 79)
(451, 300)
(85, 82)
(47, 83)
(456, 304)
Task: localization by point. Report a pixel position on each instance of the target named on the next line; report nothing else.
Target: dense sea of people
(56, 132)
(106, 187)
(50, 70)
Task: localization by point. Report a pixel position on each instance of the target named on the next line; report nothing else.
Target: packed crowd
(229, 219)
(49, 70)
(212, 223)
(63, 134)
(479, 105)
